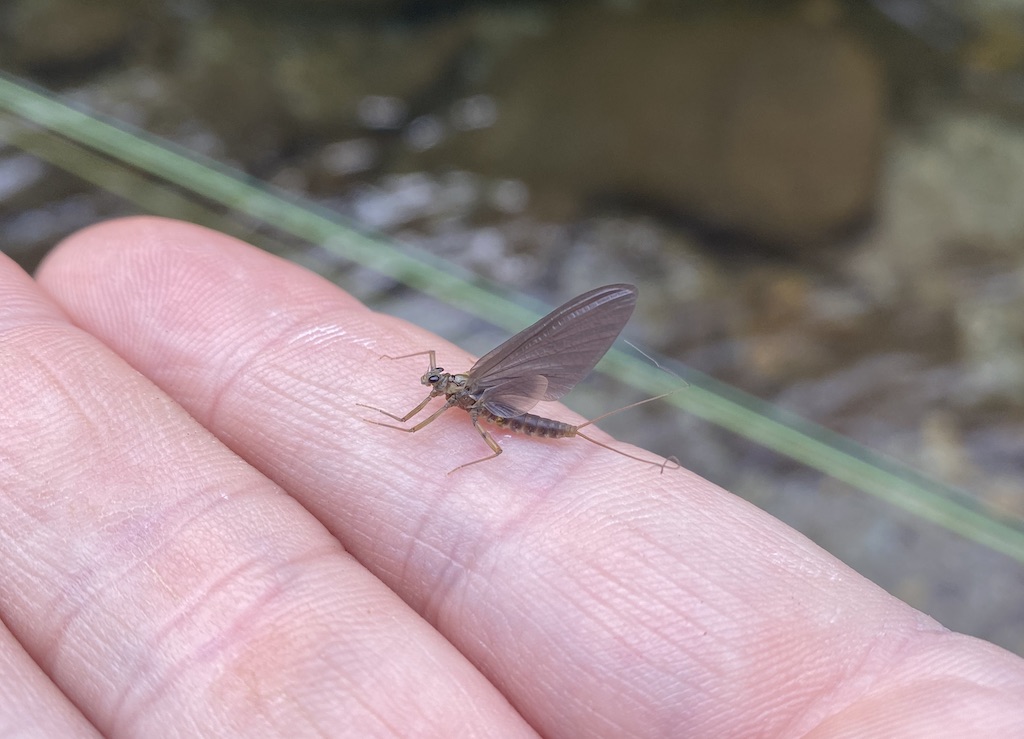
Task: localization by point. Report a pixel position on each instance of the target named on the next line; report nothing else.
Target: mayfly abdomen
(531, 425)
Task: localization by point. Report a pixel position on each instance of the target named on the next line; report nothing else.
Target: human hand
(200, 535)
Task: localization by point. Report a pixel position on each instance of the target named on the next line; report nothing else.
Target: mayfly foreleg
(418, 408)
(404, 418)
(410, 429)
(430, 352)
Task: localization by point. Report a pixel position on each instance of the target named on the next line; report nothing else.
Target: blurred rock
(265, 87)
(39, 34)
(767, 128)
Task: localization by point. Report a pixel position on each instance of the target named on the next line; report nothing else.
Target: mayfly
(541, 362)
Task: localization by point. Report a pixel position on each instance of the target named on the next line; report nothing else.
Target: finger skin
(603, 599)
(30, 704)
(168, 588)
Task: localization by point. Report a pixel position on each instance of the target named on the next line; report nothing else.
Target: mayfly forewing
(586, 326)
(562, 347)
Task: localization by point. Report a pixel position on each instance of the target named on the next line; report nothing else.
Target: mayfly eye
(434, 379)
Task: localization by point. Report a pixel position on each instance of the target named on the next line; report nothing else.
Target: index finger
(600, 596)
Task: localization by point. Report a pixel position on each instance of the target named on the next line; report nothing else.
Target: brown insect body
(454, 388)
(532, 425)
(542, 362)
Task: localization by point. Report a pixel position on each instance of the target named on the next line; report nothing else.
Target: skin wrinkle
(316, 415)
(791, 693)
(216, 648)
(597, 588)
(606, 576)
(292, 342)
(264, 369)
(644, 616)
(75, 600)
(883, 688)
(823, 698)
(516, 634)
(32, 706)
(372, 708)
(72, 406)
(311, 720)
(147, 656)
(876, 663)
(514, 529)
(74, 603)
(471, 577)
(851, 686)
(472, 559)
(613, 639)
(442, 582)
(306, 323)
(87, 597)
(468, 697)
(229, 382)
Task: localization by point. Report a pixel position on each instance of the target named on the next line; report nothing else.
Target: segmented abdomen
(531, 425)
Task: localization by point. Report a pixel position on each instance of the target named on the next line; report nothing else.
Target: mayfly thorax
(542, 362)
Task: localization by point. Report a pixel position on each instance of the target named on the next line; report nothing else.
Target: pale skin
(200, 535)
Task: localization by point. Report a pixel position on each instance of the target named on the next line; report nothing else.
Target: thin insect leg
(495, 447)
(404, 418)
(663, 465)
(430, 352)
(627, 407)
(411, 429)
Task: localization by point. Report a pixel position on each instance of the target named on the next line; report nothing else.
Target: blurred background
(822, 202)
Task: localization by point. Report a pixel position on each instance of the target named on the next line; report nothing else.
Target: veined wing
(562, 348)
(515, 397)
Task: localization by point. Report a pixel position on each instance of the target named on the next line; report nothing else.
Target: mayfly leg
(411, 429)
(430, 352)
(485, 434)
(433, 366)
(404, 418)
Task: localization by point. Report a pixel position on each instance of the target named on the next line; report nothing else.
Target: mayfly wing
(562, 348)
(514, 397)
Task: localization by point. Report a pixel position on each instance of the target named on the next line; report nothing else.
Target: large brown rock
(768, 128)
